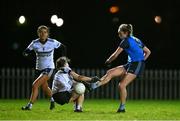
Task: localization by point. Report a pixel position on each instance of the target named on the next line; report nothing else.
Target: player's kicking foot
(95, 83)
(88, 85)
(52, 105)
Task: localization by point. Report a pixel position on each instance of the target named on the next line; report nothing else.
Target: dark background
(90, 30)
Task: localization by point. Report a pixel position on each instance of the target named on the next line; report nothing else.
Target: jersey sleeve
(124, 44)
(57, 44)
(142, 44)
(30, 47)
(67, 69)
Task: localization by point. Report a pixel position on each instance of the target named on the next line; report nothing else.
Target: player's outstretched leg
(114, 72)
(88, 85)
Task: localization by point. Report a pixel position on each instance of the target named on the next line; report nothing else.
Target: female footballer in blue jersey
(137, 54)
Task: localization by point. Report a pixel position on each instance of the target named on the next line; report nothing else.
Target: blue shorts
(136, 68)
(46, 71)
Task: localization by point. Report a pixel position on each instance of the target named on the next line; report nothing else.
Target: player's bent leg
(74, 96)
(36, 84)
(79, 103)
(48, 92)
(46, 89)
(128, 78)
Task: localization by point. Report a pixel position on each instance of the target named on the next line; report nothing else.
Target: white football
(79, 88)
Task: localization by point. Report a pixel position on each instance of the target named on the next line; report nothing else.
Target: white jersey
(44, 52)
(62, 81)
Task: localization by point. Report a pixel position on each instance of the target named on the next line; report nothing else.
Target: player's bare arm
(147, 52)
(79, 77)
(114, 55)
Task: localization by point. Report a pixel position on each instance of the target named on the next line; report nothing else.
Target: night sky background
(90, 30)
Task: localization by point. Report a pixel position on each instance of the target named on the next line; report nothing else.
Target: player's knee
(122, 86)
(81, 96)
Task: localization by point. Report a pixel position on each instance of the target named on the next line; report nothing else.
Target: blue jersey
(134, 48)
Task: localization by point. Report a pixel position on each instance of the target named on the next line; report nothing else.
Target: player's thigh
(45, 85)
(117, 71)
(43, 78)
(127, 79)
(44, 74)
(134, 69)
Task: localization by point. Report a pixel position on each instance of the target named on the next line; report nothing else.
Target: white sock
(78, 107)
(52, 100)
(29, 105)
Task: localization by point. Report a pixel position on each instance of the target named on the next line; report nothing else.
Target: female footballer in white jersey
(63, 83)
(44, 48)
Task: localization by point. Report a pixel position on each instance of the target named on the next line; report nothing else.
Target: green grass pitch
(93, 110)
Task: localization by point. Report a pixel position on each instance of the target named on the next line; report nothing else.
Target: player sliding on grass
(137, 54)
(44, 48)
(63, 83)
